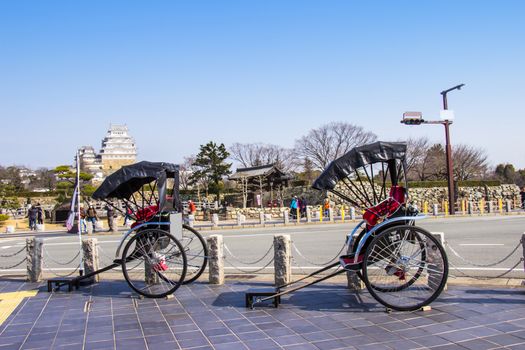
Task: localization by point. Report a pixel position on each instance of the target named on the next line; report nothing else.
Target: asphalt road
(481, 240)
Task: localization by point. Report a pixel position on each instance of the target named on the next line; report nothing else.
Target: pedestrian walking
(191, 207)
(522, 195)
(92, 217)
(40, 214)
(110, 212)
(293, 207)
(83, 225)
(127, 216)
(326, 207)
(303, 206)
(32, 215)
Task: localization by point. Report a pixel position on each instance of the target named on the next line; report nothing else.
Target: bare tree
(417, 149)
(469, 162)
(256, 154)
(330, 141)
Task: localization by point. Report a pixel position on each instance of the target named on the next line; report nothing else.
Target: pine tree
(211, 167)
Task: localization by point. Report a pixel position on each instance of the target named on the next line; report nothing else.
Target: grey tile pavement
(201, 316)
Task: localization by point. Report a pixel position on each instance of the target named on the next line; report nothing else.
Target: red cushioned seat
(383, 210)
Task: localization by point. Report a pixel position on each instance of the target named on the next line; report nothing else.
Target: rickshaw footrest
(251, 294)
(57, 282)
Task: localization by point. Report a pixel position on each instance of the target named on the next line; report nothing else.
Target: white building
(118, 149)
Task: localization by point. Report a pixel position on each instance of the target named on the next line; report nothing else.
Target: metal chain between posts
(250, 271)
(105, 255)
(13, 254)
(46, 254)
(58, 274)
(294, 262)
(246, 262)
(302, 271)
(13, 266)
(316, 264)
(487, 278)
(482, 265)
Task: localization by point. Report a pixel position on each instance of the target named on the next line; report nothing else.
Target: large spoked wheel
(196, 253)
(405, 268)
(154, 263)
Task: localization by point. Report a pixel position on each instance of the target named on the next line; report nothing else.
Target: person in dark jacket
(92, 217)
(32, 214)
(522, 195)
(304, 204)
(41, 215)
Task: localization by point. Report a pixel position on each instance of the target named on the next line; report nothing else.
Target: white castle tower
(118, 149)
(88, 159)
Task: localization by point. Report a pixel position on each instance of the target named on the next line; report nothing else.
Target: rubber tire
(205, 251)
(125, 260)
(434, 295)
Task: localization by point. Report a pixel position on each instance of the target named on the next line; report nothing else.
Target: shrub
(3, 217)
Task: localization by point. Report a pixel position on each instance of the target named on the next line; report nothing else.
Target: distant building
(118, 149)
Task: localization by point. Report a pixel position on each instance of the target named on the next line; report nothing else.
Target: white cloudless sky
(180, 74)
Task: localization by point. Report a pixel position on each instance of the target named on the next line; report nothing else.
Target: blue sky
(182, 73)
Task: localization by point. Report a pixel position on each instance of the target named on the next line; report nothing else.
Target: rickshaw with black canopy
(403, 266)
(158, 253)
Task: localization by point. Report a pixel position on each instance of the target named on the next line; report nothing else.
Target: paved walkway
(201, 317)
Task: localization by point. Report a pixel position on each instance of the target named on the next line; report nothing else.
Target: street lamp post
(416, 118)
(448, 150)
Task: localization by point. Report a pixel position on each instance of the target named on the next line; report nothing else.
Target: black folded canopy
(356, 158)
(129, 179)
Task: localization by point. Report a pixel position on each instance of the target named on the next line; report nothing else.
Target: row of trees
(310, 155)
(313, 152)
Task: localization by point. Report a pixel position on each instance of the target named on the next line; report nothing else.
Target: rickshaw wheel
(405, 268)
(154, 263)
(196, 253)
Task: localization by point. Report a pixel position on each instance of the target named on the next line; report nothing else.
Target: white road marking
(481, 244)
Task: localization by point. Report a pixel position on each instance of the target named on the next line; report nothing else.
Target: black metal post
(450, 170)
(448, 151)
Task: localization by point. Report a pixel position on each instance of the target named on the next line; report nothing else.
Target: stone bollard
(216, 259)
(34, 251)
(331, 215)
(89, 227)
(239, 219)
(470, 208)
(91, 261)
(261, 218)
(352, 213)
(151, 276)
(435, 210)
(434, 278)
(308, 214)
(215, 220)
(508, 206)
(191, 220)
(282, 259)
(286, 217)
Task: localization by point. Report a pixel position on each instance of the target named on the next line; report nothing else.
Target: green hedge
(4, 217)
(469, 183)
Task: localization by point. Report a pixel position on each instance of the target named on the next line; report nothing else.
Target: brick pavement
(201, 317)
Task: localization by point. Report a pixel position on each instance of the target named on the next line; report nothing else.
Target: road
(482, 240)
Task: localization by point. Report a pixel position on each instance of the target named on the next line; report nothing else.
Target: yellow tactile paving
(9, 302)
